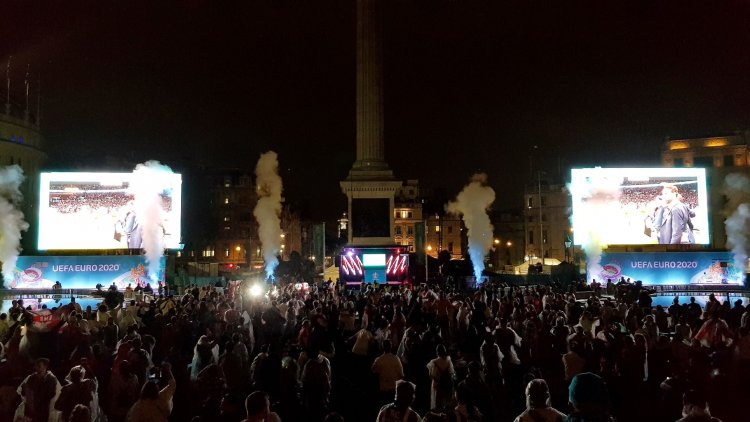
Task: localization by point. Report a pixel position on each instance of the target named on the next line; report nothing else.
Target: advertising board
(97, 211)
(638, 206)
(668, 268)
(82, 272)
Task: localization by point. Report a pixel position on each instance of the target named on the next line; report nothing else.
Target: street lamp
(426, 263)
(508, 244)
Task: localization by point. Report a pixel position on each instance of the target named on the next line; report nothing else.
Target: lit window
(226, 252)
(257, 252)
(226, 218)
(227, 228)
(437, 229)
(403, 214)
(226, 199)
(20, 139)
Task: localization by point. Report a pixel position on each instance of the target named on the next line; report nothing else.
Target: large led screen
(636, 206)
(98, 211)
(381, 265)
(82, 272)
(668, 268)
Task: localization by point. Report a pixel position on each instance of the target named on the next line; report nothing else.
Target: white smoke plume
(472, 204)
(12, 222)
(147, 185)
(737, 224)
(268, 209)
(602, 196)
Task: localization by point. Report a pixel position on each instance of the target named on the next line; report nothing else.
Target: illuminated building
(445, 233)
(407, 213)
(720, 156)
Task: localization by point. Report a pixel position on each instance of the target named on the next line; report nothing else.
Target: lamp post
(508, 244)
(541, 224)
(426, 263)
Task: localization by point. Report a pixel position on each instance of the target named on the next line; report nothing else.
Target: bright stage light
(256, 290)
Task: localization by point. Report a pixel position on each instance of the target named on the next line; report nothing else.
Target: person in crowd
(589, 399)
(442, 374)
(80, 413)
(39, 392)
(316, 380)
(259, 409)
(400, 410)
(78, 391)
(123, 392)
(695, 408)
(154, 404)
(538, 405)
(388, 369)
(203, 355)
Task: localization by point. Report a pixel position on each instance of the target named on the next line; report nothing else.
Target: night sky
(469, 85)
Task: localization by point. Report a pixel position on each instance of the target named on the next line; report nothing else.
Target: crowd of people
(112, 202)
(385, 354)
(643, 196)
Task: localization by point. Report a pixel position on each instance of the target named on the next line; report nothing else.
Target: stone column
(370, 149)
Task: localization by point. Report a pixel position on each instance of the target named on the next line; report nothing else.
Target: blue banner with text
(668, 268)
(83, 272)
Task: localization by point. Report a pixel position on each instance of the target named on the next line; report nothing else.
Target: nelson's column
(370, 187)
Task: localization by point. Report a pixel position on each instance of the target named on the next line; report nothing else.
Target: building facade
(509, 242)
(720, 156)
(546, 222)
(445, 233)
(407, 213)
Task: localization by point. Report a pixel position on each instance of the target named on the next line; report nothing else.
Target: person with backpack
(442, 374)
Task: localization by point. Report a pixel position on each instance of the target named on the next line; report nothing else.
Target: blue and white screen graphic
(668, 268)
(83, 272)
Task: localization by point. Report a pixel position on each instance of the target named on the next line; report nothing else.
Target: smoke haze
(602, 195)
(12, 222)
(472, 204)
(147, 186)
(268, 209)
(737, 210)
